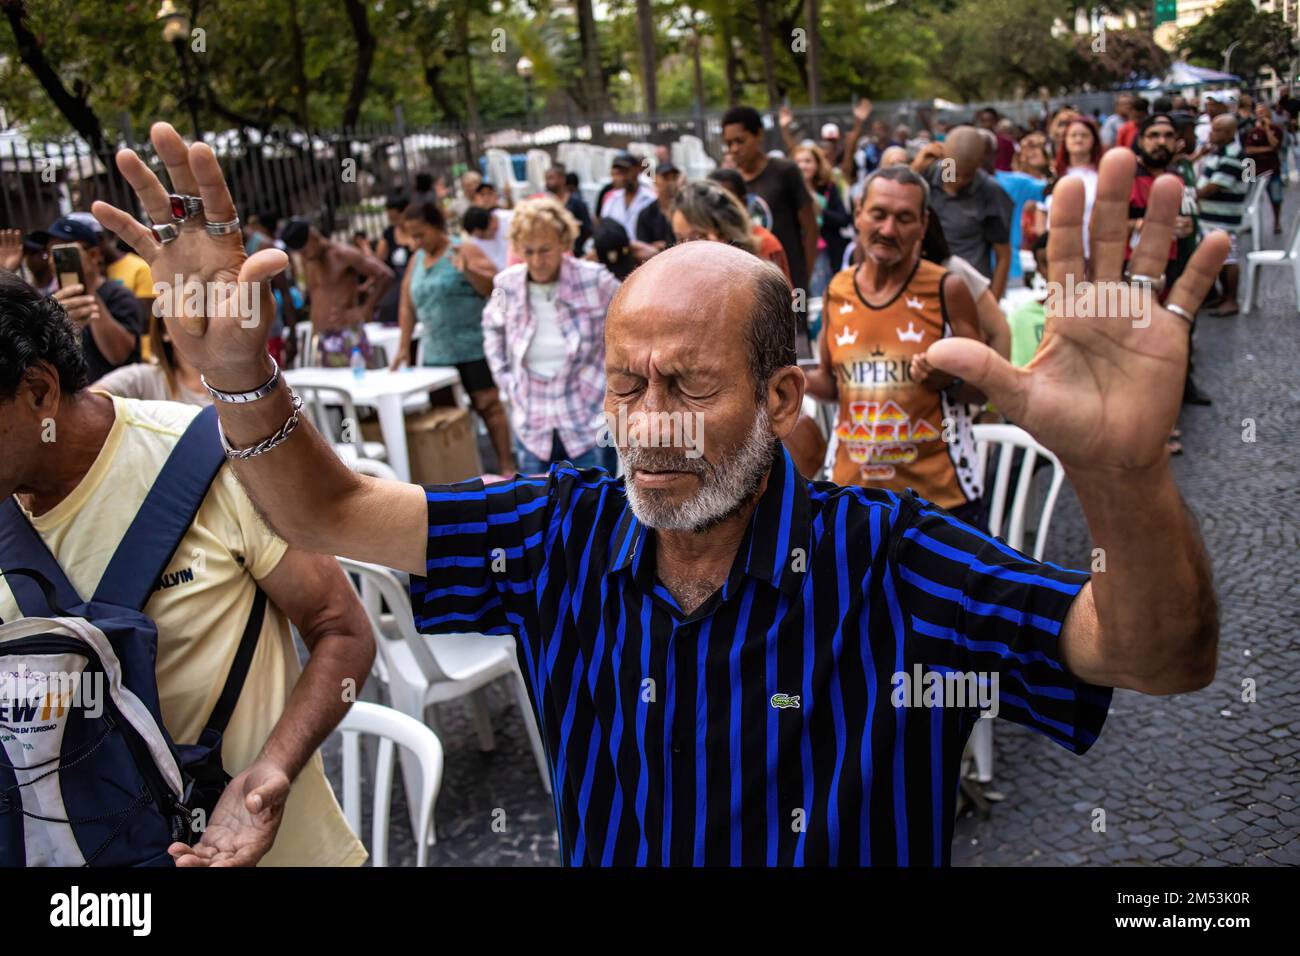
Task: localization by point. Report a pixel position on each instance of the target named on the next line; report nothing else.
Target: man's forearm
(298, 485)
(1001, 269)
(340, 651)
(1152, 584)
(114, 342)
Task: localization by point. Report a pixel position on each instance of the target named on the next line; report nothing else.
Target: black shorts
(475, 376)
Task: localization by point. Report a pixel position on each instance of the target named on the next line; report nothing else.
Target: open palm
(244, 821)
(238, 307)
(1103, 391)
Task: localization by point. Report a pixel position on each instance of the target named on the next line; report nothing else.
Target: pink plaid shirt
(573, 401)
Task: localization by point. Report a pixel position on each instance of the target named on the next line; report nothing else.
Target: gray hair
(771, 332)
(903, 175)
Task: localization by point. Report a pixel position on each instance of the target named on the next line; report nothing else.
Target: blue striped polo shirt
(782, 722)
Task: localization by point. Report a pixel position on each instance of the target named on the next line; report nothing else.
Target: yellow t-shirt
(133, 272)
(200, 608)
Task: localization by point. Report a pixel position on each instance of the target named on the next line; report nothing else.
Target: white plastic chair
(538, 162)
(501, 173)
(423, 670)
(306, 341)
(1287, 256)
(317, 402)
(422, 744)
(1252, 214)
(1009, 439)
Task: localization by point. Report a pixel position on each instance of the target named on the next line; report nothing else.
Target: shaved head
(965, 146)
(1223, 129)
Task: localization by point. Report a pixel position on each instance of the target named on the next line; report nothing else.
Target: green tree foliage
(1265, 40)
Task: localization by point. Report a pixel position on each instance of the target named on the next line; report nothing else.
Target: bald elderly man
(974, 210)
(729, 664)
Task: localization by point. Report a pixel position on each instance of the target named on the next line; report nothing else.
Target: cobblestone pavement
(1195, 779)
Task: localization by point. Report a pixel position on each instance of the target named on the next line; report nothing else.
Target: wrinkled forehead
(690, 320)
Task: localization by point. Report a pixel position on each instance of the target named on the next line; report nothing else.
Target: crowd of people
(902, 238)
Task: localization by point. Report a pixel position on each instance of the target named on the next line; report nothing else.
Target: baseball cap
(1221, 96)
(613, 248)
(667, 169)
(74, 228)
(830, 131)
(626, 160)
(36, 241)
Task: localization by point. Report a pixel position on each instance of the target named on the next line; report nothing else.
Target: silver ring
(185, 207)
(165, 232)
(222, 228)
(1179, 311)
(1149, 280)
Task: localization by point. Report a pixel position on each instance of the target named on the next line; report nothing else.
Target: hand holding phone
(69, 268)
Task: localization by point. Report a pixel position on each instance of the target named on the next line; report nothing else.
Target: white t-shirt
(148, 382)
(976, 281)
(1089, 177)
(498, 247)
(547, 351)
(625, 213)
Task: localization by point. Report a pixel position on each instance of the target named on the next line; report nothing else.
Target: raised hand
(11, 249)
(244, 821)
(862, 109)
(1102, 392)
(226, 339)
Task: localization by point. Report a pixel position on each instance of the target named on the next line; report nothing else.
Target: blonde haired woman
(544, 338)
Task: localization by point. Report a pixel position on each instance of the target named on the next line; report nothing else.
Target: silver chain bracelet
(266, 444)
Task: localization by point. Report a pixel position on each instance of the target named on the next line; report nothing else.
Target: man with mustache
(1156, 145)
(709, 648)
(902, 424)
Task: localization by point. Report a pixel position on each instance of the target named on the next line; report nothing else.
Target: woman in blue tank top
(444, 288)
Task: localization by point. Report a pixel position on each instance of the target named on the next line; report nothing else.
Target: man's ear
(785, 399)
(39, 390)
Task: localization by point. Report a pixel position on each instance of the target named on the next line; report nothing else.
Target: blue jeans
(530, 464)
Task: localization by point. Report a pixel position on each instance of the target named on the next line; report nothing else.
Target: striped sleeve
(976, 606)
(485, 544)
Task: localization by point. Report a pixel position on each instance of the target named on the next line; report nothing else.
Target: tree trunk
(729, 49)
(299, 67)
(593, 74)
(812, 11)
(471, 98)
(74, 107)
(365, 58)
(646, 28)
(765, 45)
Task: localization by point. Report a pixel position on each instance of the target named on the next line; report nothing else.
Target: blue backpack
(89, 775)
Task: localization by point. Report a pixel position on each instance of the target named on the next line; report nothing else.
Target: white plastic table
(383, 391)
(389, 336)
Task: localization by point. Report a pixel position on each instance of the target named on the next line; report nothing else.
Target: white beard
(724, 488)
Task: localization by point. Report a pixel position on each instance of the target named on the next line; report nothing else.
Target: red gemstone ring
(185, 207)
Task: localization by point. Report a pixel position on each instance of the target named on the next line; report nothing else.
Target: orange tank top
(892, 432)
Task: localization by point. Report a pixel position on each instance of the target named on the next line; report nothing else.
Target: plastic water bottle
(358, 363)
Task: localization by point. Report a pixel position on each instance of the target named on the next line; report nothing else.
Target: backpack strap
(166, 514)
(22, 548)
(234, 686)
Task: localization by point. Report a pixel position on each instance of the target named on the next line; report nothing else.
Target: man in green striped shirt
(1221, 191)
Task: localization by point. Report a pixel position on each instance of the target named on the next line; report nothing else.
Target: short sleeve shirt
(975, 220)
(781, 186)
(690, 738)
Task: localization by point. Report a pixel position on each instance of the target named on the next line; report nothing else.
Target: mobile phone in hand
(67, 265)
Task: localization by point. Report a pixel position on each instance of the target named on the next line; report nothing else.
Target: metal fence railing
(341, 177)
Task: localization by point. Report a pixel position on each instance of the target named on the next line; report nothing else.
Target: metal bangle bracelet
(1179, 311)
(222, 228)
(243, 398)
(266, 444)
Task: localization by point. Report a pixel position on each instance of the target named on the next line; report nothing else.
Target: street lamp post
(525, 70)
(175, 31)
(1227, 54)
